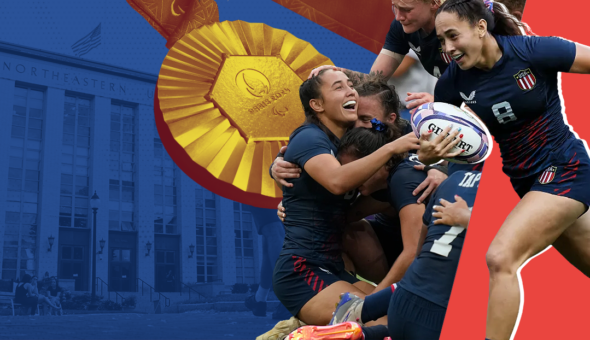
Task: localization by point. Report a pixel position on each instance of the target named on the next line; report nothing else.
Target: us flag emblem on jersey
(548, 175)
(445, 57)
(525, 79)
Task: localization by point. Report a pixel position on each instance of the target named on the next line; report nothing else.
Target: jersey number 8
(506, 116)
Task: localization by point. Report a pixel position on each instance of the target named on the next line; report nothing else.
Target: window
(244, 243)
(164, 190)
(75, 159)
(122, 168)
(206, 235)
(24, 173)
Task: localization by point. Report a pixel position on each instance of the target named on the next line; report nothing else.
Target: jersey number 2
(507, 115)
(443, 246)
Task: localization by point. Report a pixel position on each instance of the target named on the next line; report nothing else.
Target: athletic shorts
(411, 317)
(390, 237)
(297, 280)
(567, 176)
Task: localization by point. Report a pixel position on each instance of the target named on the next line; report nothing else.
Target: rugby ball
(476, 141)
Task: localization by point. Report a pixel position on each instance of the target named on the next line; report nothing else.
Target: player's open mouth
(350, 105)
(458, 57)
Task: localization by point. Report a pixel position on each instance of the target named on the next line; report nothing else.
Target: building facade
(69, 128)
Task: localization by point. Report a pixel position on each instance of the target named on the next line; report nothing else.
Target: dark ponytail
(361, 142)
(499, 19)
(310, 89)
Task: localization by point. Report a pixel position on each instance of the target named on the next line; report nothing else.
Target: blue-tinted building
(70, 127)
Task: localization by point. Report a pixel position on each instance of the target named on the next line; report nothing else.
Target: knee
(500, 261)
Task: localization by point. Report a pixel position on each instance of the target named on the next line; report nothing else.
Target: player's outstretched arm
(411, 221)
(339, 179)
(416, 99)
(452, 214)
(582, 61)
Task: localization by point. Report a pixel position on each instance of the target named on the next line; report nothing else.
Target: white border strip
(521, 288)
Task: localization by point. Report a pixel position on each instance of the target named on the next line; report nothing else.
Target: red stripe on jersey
(567, 179)
(311, 275)
(569, 172)
(575, 153)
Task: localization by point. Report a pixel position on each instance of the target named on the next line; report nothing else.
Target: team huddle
(355, 158)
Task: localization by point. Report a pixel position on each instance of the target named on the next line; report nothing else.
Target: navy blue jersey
(454, 167)
(315, 217)
(518, 99)
(432, 273)
(402, 181)
(426, 47)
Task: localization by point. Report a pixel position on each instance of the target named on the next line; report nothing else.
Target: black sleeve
(395, 40)
(402, 185)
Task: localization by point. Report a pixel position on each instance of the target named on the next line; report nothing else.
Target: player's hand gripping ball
(476, 141)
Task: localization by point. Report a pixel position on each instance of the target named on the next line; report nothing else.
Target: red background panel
(556, 293)
(365, 25)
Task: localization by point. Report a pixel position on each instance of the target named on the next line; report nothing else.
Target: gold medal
(229, 96)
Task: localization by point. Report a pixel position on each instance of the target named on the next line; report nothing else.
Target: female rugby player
(309, 275)
(515, 82)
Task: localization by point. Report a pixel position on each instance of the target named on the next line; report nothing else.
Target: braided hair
(376, 86)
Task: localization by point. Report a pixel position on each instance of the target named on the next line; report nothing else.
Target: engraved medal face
(229, 96)
(257, 104)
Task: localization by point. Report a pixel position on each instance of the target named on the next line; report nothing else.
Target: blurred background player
(515, 7)
(412, 29)
(410, 77)
(516, 81)
(273, 234)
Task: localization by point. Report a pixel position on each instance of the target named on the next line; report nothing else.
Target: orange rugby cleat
(341, 331)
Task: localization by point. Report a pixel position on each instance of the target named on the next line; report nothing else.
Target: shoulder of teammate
(443, 91)
(402, 182)
(396, 41)
(553, 54)
(306, 142)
